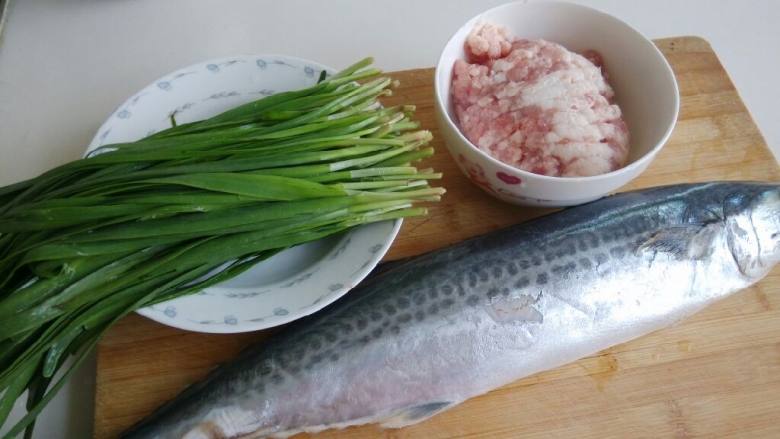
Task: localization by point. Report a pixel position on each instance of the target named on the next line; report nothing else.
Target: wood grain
(715, 375)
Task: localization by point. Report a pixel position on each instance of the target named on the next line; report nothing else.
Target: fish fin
(416, 413)
(743, 244)
(687, 241)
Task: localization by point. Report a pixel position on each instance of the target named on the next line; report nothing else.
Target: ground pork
(537, 106)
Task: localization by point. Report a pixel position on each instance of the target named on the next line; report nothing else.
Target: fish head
(752, 218)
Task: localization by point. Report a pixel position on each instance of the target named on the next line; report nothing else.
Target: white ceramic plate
(290, 285)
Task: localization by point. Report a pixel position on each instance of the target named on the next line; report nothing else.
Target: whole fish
(458, 322)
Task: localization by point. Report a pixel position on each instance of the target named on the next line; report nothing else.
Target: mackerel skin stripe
(443, 327)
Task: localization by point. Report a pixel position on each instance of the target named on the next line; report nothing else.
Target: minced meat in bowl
(537, 106)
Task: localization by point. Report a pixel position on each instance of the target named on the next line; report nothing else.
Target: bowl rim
(636, 165)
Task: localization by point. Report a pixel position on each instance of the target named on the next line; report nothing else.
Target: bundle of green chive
(139, 223)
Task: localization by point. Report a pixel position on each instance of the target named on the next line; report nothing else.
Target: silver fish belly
(455, 323)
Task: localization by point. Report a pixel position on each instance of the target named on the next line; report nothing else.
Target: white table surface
(66, 64)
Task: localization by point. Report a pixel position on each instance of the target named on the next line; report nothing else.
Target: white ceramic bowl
(644, 84)
(289, 285)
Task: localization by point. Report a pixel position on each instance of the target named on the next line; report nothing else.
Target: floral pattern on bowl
(502, 188)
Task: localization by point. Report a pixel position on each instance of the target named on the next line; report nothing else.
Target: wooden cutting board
(715, 375)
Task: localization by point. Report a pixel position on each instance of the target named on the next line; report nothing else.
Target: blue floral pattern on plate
(215, 67)
(223, 94)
